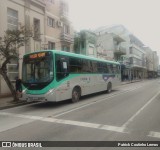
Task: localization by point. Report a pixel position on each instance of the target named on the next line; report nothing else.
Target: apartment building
(109, 46)
(59, 32)
(16, 13)
(155, 64)
(137, 57)
(127, 49)
(118, 44)
(149, 61)
(85, 43)
(47, 19)
(114, 40)
(103, 45)
(152, 62)
(158, 71)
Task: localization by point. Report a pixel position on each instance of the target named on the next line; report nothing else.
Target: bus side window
(100, 67)
(61, 67)
(115, 69)
(94, 66)
(75, 65)
(118, 69)
(86, 66)
(106, 70)
(110, 69)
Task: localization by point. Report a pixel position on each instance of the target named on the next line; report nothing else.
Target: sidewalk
(7, 102)
(128, 81)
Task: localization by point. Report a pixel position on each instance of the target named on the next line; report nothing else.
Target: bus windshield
(38, 68)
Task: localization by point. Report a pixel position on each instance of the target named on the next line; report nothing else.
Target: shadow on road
(52, 105)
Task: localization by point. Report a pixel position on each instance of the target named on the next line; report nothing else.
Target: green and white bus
(53, 75)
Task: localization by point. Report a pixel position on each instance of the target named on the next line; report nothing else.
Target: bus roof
(74, 55)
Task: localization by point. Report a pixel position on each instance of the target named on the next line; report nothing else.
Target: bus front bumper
(50, 96)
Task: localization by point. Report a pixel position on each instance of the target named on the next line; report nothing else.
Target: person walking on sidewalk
(131, 77)
(18, 86)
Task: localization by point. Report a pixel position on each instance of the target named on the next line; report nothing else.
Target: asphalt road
(130, 113)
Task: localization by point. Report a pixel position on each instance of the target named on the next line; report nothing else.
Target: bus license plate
(36, 98)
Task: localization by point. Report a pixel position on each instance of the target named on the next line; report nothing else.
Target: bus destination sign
(37, 55)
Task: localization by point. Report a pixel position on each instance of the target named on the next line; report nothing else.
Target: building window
(50, 1)
(12, 16)
(36, 29)
(64, 9)
(65, 48)
(131, 50)
(131, 60)
(66, 29)
(12, 71)
(51, 22)
(51, 45)
(91, 50)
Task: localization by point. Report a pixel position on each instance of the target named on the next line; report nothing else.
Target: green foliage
(79, 42)
(82, 38)
(12, 41)
(9, 47)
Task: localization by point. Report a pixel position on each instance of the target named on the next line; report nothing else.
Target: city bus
(54, 75)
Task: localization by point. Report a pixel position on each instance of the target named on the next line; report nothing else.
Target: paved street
(129, 113)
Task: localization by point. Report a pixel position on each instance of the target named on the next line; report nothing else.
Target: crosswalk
(11, 120)
(25, 119)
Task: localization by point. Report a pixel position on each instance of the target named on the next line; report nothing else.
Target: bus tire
(75, 95)
(109, 87)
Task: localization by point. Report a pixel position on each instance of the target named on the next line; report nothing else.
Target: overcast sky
(141, 17)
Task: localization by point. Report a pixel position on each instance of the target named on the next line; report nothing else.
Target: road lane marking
(85, 124)
(154, 134)
(97, 101)
(67, 122)
(12, 123)
(139, 111)
(98, 126)
(76, 123)
(21, 116)
(104, 127)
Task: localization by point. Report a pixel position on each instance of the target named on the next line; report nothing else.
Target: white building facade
(16, 13)
(128, 49)
(47, 19)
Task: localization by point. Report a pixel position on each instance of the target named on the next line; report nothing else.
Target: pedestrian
(18, 86)
(131, 77)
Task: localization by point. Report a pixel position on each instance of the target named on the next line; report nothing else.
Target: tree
(9, 46)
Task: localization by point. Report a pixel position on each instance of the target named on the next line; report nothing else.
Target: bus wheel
(75, 95)
(109, 87)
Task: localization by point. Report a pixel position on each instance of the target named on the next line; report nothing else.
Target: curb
(131, 82)
(13, 104)
(5, 95)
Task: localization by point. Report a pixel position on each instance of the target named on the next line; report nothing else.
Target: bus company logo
(6, 144)
(105, 77)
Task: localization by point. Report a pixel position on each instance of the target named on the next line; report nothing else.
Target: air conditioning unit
(59, 23)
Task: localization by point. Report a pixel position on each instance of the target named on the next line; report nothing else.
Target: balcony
(39, 2)
(138, 48)
(138, 64)
(64, 11)
(67, 38)
(119, 50)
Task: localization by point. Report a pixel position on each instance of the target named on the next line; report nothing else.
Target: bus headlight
(50, 91)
